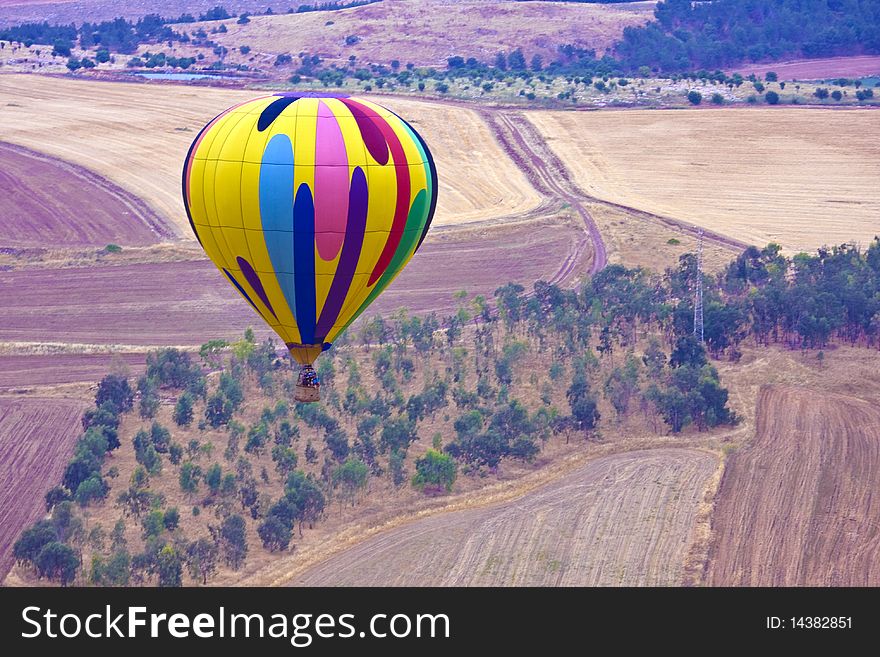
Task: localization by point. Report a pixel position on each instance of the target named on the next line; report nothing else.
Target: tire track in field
(546, 173)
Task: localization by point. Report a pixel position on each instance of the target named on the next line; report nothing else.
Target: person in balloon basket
(309, 378)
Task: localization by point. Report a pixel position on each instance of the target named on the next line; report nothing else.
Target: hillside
(469, 28)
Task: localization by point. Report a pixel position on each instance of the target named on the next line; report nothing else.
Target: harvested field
(626, 519)
(39, 370)
(796, 176)
(469, 28)
(36, 441)
(798, 505)
(137, 135)
(47, 202)
(189, 302)
(818, 69)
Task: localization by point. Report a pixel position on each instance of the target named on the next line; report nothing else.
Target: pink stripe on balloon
(331, 184)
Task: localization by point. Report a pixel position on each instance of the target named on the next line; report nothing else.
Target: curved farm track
(544, 171)
(626, 519)
(45, 202)
(36, 441)
(799, 506)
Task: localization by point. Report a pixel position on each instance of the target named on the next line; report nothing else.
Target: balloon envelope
(310, 205)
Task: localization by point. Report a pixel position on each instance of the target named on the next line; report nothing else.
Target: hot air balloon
(309, 205)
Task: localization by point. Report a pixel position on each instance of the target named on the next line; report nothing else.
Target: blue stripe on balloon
(276, 212)
(304, 263)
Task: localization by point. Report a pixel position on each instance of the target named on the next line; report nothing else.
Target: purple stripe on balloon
(331, 175)
(372, 135)
(254, 280)
(351, 252)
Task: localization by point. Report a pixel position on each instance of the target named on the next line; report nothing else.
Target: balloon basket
(308, 388)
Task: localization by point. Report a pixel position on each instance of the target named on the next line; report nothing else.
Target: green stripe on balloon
(417, 214)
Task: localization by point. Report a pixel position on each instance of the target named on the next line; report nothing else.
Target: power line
(698, 292)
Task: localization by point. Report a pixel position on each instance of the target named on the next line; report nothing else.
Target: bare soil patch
(48, 202)
(36, 441)
(798, 505)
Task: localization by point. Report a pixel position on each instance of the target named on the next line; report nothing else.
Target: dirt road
(544, 171)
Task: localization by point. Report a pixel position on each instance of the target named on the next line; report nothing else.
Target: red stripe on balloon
(401, 209)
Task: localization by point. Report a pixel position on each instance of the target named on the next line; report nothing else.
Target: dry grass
(137, 136)
(800, 177)
(470, 28)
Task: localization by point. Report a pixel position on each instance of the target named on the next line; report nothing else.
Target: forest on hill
(707, 35)
(196, 465)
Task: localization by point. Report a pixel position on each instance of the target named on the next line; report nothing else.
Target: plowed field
(36, 440)
(799, 505)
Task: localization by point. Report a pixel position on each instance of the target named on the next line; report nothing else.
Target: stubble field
(137, 135)
(796, 176)
(622, 520)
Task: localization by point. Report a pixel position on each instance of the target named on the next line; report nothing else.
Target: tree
(337, 442)
(303, 491)
(201, 559)
(115, 389)
(189, 477)
(92, 489)
(537, 62)
(585, 412)
(772, 98)
(171, 519)
(274, 533)
(149, 397)
(32, 540)
(172, 368)
(56, 495)
(352, 477)
(214, 477)
(717, 99)
(821, 93)
(160, 437)
(233, 541)
(622, 383)
(218, 410)
(58, 562)
(434, 471)
(285, 459)
(169, 567)
(695, 97)
(688, 351)
(396, 465)
(836, 95)
(398, 434)
(516, 61)
(770, 76)
(183, 410)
